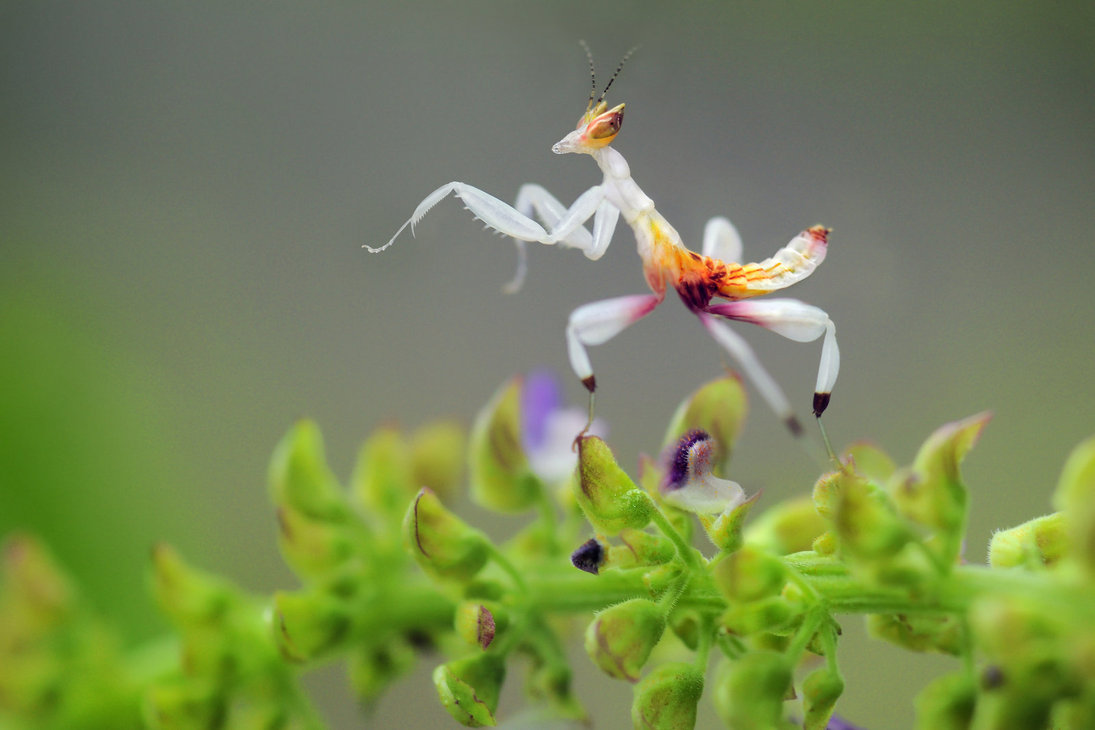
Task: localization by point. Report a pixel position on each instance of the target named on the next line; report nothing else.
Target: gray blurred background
(185, 188)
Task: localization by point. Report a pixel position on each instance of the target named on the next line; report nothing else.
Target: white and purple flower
(689, 483)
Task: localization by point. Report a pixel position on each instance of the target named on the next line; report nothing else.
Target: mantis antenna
(617, 73)
(593, 76)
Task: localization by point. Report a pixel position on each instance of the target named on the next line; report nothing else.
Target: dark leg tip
(590, 383)
(821, 402)
(794, 426)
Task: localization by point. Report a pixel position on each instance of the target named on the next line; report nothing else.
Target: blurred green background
(184, 190)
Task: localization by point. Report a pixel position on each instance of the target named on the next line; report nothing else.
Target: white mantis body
(701, 280)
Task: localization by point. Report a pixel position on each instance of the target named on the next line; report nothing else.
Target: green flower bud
(719, 408)
(920, 632)
(771, 614)
(789, 527)
(658, 580)
(374, 668)
(870, 462)
(750, 691)
(190, 597)
(687, 625)
(1037, 543)
(550, 682)
(299, 477)
(306, 625)
(442, 543)
(640, 548)
(826, 543)
(58, 667)
(35, 592)
(176, 704)
(666, 699)
(469, 688)
(501, 478)
(621, 637)
(724, 530)
(931, 491)
(383, 477)
(477, 622)
(312, 547)
(610, 500)
(1075, 497)
(820, 691)
(828, 491)
(438, 455)
(864, 518)
(947, 703)
(749, 574)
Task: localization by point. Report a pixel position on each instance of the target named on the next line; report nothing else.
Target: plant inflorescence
(390, 575)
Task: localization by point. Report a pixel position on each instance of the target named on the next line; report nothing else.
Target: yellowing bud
(931, 492)
(469, 688)
(749, 574)
(383, 478)
(865, 519)
(947, 703)
(299, 477)
(725, 529)
(1037, 543)
(610, 500)
(666, 699)
(438, 456)
(789, 527)
(749, 691)
(307, 624)
(1075, 497)
(310, 546)
(441, 543)
(501, 478)
(820, 691)
(620, 638)
(187, 595)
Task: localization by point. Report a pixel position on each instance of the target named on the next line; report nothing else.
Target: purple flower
(548, 429)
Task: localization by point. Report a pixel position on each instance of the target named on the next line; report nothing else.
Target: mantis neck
(620, 189)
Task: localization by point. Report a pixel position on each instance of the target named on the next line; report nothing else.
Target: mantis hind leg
(597, 323)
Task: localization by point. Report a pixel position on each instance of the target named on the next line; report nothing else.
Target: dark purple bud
(589, 557)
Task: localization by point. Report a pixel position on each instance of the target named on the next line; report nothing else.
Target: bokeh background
(185, 188)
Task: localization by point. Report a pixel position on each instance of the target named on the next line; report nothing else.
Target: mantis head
(599, 125)
(596, 129)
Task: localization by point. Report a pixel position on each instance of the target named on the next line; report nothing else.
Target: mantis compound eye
(607, 125)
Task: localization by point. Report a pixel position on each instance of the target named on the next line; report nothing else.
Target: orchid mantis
(710, 284)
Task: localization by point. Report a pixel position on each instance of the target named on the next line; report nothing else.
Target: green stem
(504, 563)
(685, 552)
